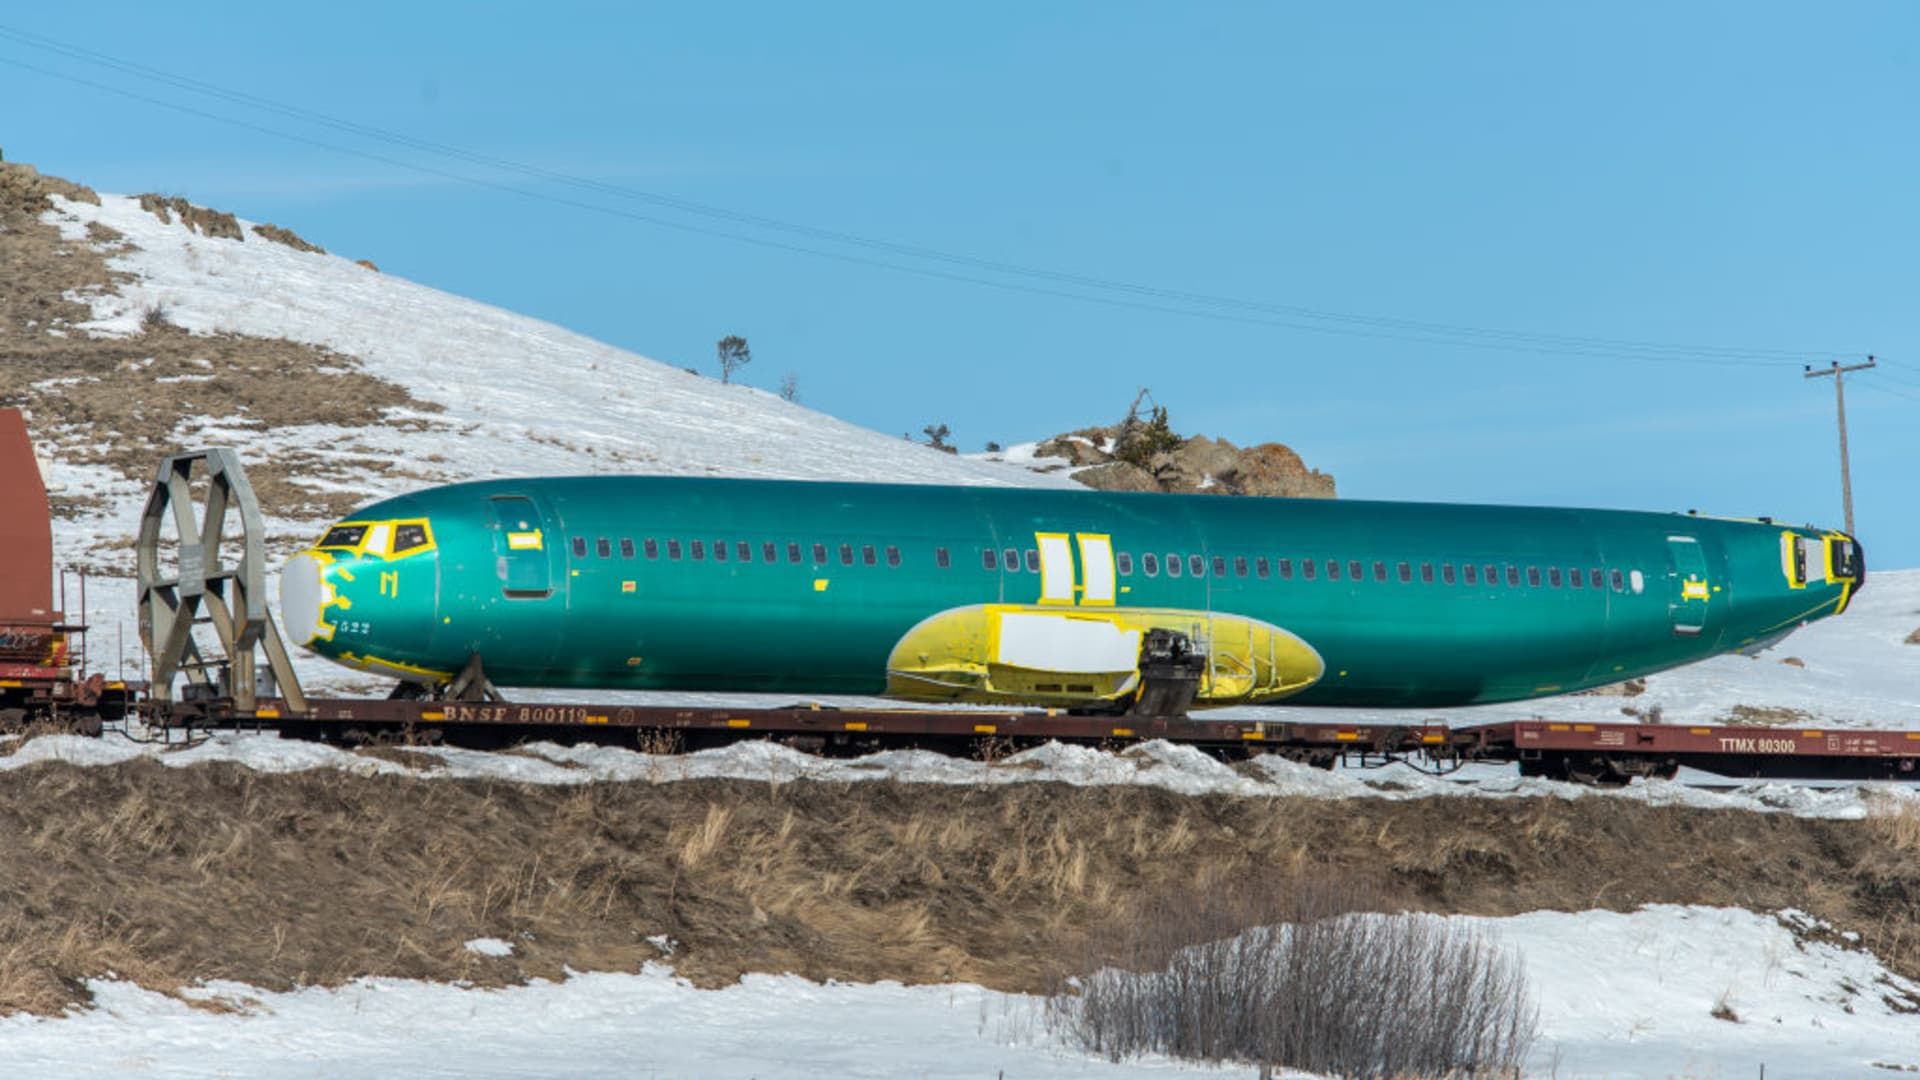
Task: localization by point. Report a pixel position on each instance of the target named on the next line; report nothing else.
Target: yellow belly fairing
(1048, 655)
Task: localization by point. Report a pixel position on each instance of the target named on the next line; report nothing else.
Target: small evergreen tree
(1139, 440)
(937, 437)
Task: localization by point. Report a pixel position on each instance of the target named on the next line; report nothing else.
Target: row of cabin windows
(1151, 563)
(740, 551)
(1553, 577)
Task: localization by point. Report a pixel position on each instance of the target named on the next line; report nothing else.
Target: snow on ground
(1620, 995)
(523, 397)
(1155, 764)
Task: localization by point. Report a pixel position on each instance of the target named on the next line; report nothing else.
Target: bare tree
(790, 387)
(733, 355)
(937, 437)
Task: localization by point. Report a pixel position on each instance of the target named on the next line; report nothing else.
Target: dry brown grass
(171, 875)
(1895, 821)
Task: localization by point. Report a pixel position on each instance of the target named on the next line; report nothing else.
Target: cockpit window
(409, 536)
(344, 536)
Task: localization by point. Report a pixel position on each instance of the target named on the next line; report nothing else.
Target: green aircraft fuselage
(1040, 596)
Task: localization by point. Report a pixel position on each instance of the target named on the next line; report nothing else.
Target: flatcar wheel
(1596, 772)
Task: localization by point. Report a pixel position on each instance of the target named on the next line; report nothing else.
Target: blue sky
(1737, 179)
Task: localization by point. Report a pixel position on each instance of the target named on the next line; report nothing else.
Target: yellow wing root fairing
(1048, 655)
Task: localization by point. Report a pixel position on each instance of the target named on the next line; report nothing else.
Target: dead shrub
(1895, 821)
(1353, 995)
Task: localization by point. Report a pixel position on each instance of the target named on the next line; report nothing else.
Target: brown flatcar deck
(1583, 752)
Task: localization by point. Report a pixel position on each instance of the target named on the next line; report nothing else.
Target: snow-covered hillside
(521, 397)
(492, 394)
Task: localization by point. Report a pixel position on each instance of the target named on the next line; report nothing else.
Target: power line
(1158, 299)
(1884, 389)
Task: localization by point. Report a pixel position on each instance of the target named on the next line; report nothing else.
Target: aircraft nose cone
(304, 593)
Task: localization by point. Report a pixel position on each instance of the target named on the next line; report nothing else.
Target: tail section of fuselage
(1040, 597)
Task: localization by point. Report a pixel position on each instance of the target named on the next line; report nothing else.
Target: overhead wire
(1140, 297)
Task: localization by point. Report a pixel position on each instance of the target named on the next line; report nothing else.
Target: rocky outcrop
(206, 222)
(23, 186)
(1194, 465)
(288, 237)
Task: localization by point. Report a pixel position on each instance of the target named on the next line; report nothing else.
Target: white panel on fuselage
(1056, 568)
(1066, 643)
(1096, 567)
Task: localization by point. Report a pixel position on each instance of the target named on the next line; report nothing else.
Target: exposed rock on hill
(1195, 464)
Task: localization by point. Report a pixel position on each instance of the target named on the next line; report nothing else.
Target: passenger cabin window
(1286, 569)
(1173, 565)
(1151, 563)
(1333, 569)
(1576, 578)
(819, 554)
(719, 551)
(941, 559)
(1595, 578)
(1033, 561)
(603, 548)
(867, 556)
(1124, 562)
(1472, 573)
(1426, 573)
(1553, 577)
(1379, 570)
(699, 550)
(846, 554)
(652, 548)
(1196, 566)
(1239, 566)
(769, 551)
(579, 547)
(1493, 574)
(743, 551)
(989, 560)
(1306, 569)
(1353, 569)
(893, 556)
(1406, 573)
(344, 536)
(1619, 581)
(1011, 560)
(1513, 576)
(1446, 573)
(1219, 566)
(793, 552)
(626, 547)
(1260, 567)
(673, 550)
(1533, 576)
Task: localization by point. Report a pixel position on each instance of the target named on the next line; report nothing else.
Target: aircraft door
(521, 544)
(1690, 594)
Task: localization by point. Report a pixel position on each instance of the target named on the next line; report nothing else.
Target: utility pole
(1840, 402)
